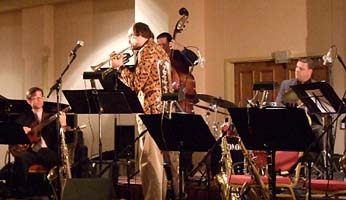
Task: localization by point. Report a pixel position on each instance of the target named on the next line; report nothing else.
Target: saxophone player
(43, 151)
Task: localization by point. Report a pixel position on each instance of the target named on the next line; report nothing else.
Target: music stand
(180, 132)
(272, 129)
(12, 133)
(99, 102)
(319, 97)
(102, 101)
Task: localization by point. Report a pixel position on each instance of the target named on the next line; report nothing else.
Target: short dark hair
(165, 35)
(141, 29)
(32, 91)
(309, 61)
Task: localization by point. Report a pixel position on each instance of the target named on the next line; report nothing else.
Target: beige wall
(252, 30)
(36, 42)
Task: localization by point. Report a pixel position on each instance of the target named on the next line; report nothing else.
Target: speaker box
(88, 189)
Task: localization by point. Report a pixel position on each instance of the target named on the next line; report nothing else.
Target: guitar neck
(52, 118)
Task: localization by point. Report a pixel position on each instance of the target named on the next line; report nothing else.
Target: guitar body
(34, 135)
(17, 149)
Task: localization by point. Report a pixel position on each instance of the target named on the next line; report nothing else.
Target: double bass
(182, 79)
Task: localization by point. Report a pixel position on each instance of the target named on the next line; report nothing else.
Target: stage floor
(194, 190)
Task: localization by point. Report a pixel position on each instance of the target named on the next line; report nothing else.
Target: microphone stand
(57, 88)
(340, 60)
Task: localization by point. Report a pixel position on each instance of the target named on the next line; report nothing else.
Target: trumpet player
(144, 80)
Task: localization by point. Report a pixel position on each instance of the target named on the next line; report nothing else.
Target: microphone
(68, 128)
(78, 45)
(328, 58)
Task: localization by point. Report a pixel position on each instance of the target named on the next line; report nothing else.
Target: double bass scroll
(183, 81)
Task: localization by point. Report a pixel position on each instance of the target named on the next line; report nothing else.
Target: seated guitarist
(44, 150)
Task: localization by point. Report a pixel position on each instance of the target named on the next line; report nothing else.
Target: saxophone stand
(272, 129)
(180, 132)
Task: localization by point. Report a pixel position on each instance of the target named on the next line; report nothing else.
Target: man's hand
(176, 46)
(26, 129)
(117, 60)
(62, 119)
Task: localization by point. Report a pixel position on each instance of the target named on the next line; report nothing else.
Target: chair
(327, 187)
(284, 162)
(37, 169)
(37, 178)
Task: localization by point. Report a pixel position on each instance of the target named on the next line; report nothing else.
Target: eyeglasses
(36, 98)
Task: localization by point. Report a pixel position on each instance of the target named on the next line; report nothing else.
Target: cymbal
(215, 100)
(210, 109)
(291, 98)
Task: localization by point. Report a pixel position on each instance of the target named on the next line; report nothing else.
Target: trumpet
(126, 59)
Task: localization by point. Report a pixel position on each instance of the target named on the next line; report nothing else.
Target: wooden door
(248, 73)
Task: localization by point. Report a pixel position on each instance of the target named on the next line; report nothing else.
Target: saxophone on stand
(65, 169)
(226, 167)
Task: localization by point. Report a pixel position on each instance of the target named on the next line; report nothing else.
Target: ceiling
(11, 5)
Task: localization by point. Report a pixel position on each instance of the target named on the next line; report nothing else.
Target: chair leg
(293, 194)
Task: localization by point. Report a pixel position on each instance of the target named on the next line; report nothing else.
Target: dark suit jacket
(49, 133)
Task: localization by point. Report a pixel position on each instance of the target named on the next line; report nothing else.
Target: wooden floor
(193, 190)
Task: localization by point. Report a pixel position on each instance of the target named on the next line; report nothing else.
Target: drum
(260, 159)
(237, 155)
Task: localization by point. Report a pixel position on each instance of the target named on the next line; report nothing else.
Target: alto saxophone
(263, 190)
(226, 169)
(64, 170)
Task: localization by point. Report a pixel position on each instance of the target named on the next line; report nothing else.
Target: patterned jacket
(144, 78)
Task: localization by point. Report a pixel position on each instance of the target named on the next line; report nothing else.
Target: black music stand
(12, 133)
(179, 132)
(102, 101)
(99, 102)
(319, 97)
(273, 129)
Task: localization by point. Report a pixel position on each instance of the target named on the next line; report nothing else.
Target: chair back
(285, 160)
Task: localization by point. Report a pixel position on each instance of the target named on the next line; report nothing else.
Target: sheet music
(321, 101)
